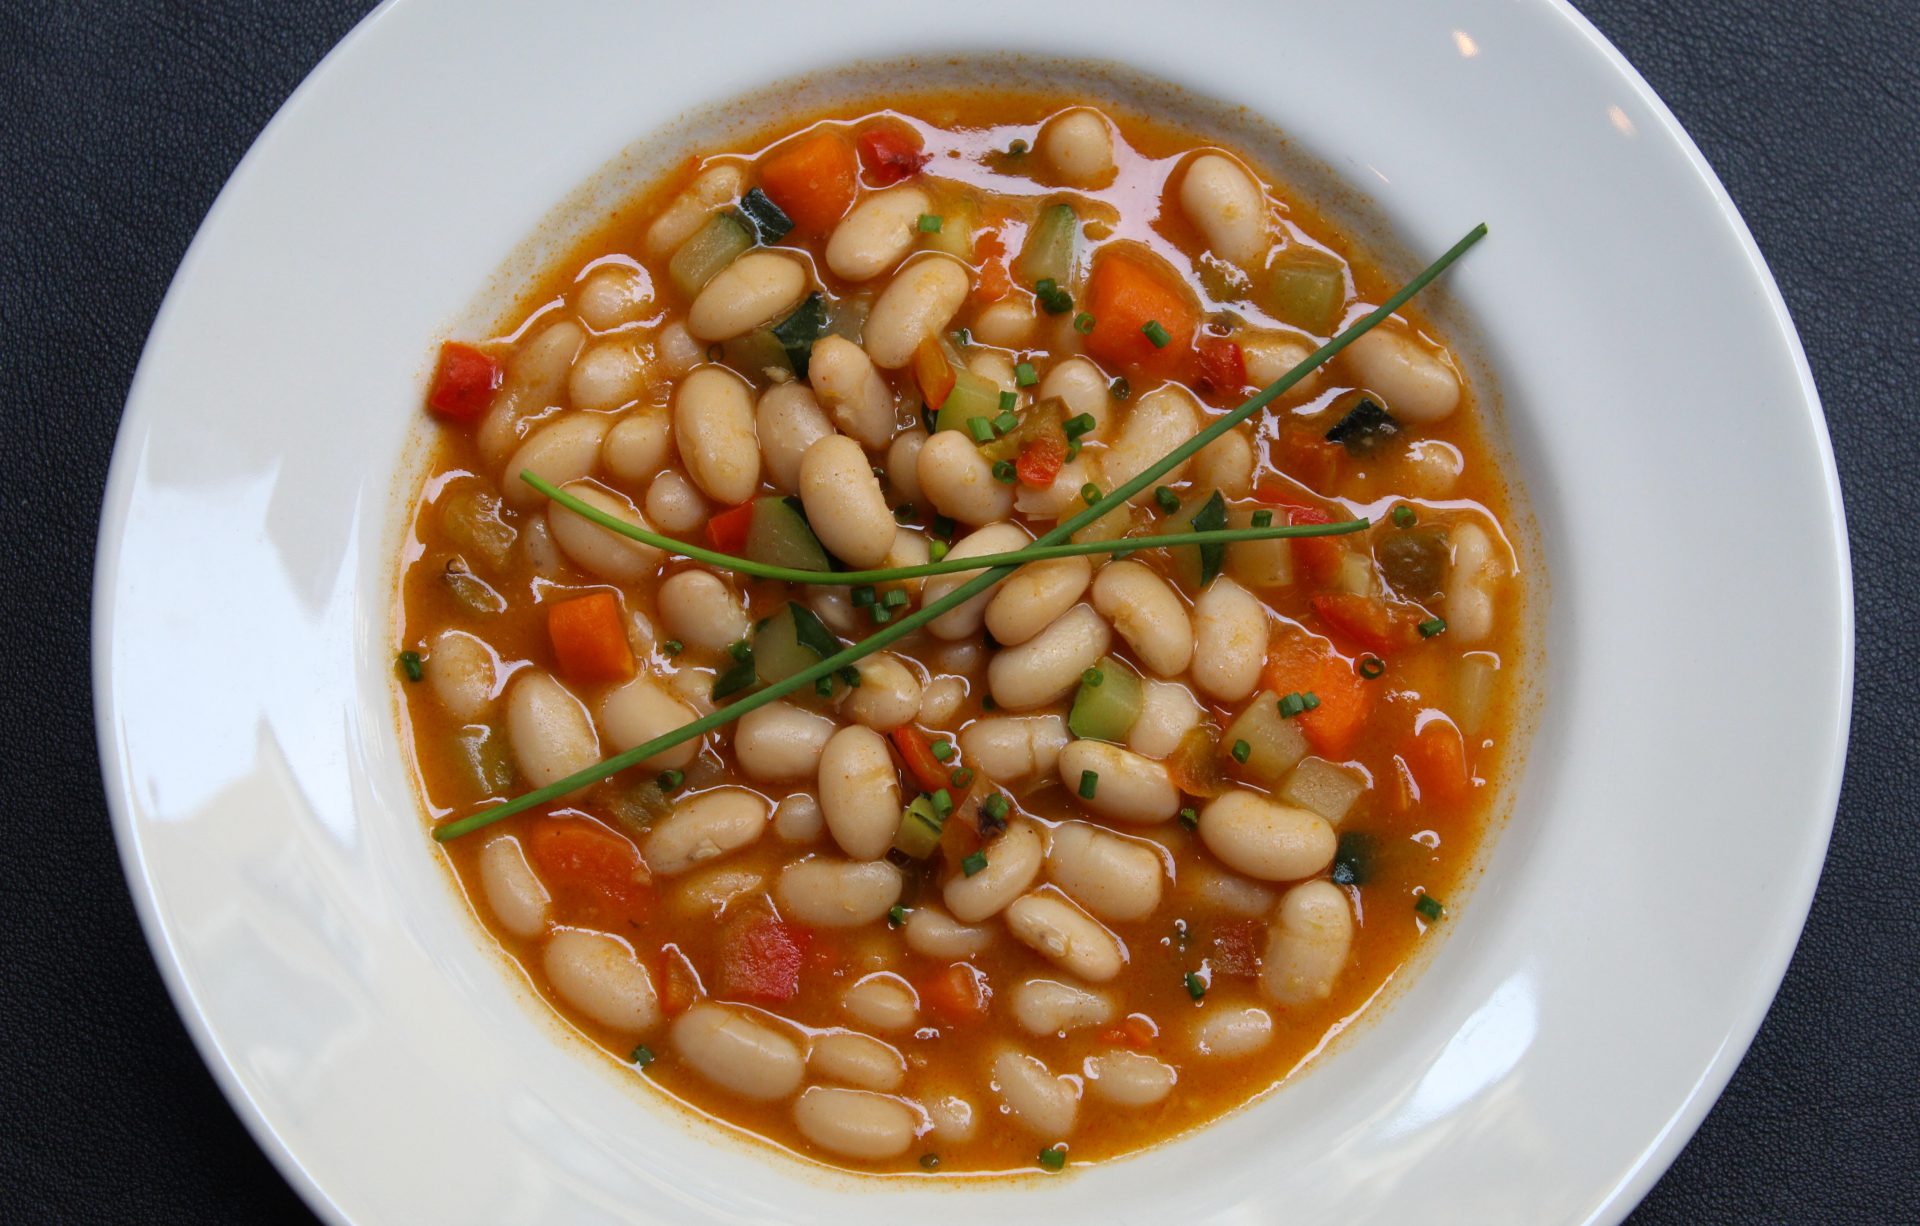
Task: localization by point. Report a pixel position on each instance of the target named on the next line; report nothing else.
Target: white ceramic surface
(1592, 997)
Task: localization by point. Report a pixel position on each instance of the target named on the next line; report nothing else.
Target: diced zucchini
(1353, 858)
(1258, 564)
(1414, 561)
(920, 828)
(1324, 788)
(1048, 254)
(1474, 680)
(768, 221)
(488, 759)
(779, 535)
(791, 640)
(1274, 744)
(1305, 289)
(972, 396)
(754, 353)
(1104, 712)
(722, 240)
(1204, 511)
(1044, 420)
(1363, 429)
(797, 332)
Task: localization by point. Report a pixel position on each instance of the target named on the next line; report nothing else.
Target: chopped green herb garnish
(974, 863)
(673, 647)
(1120, 389)
(1291, 705)
(1433, 626)
(1008, 402)
(981, 429)
(1078, 425)
(1017, 148)
(864, 596)
(824, 687)
(1083, 323)
(1242, 750)
(1196, 986)
(740, 649)
(960, 777)
(995, 807)
(1310, 700)
(642, 1056)
(936, 550)
(903, 514)
(1403, 516)
(881, 615)
(930, 223)
(412, 665)
(896, 915)
(1025, 375)
(1089, 784)
(669, 780)
(851, 676)
(1372, 666)
(1053, 1158)
(942, 801)
(942, 751)
(929, 1162)
(1189, 818)
(943, 528)
(961, 337)
(1429, 907)
(1166, 499)
(895, 598)
(1157, 334)
(1090, 493)
(1004, 472)
(1092, 677)
(1006, 420)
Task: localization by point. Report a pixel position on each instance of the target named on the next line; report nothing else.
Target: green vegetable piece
(1305, 289)
(739, 676)
(768, 221)
(1353, 858)
(779, 535)
(754, 353)
(1274, 744)
(722, 240)
(799, 330)
(1363, 430)
(1053, 1158)
(1196, 986)
(1048, 254)
(972, 396)
(412, 665)
(1104, 710)
(1198, 565)
(929, 223)
(1429, 907)
(642, 1056)
(791, 640)
(920, 827)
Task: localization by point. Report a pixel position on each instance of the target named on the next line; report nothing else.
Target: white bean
(1416, 382)
(858, 1060)
(932, 933)
(755, 289)
(1167, 713)
(704, 827)
(1258, 564)
(1129, 1078)
(462, 673)
(855, 1123)
(996, 368)
(613, 295)
(1009, 748)
(514, 892)
(639, 711)
(1225, 204)
(1307, 944)
(701, 611)
(1116, 879)
(877, 233)
(958, 480)
(563, 451)
(909, 548)
(1273, 842)
(837, 893)
(543, 554)
(781, 743)
(1229, 641)
(1047, 1006)
(965, 620)
(1062, 933)
(714, 186)
(1147, 613)
(1230, 1031)
(1044, 1103)
(844, 379)
(860, 792)
(1078, 145)
(599, 975)
(953, 1118)
(600, 550)
(788, 420)
(1007, 323)
(1469, 600)
(1226, 464)
(707, 895)
(535, 377)
(1270, 355)
(1057, 500)
(737, 1053)
(919, 302)
(1046, 667)
(675, 504)
(713, 430)
(636, 447)
(551, 734)
(1127, 787)
(1431, 468)
(888, 696)
(1224, 891)
(939, 699)
(1160, 421)
(883, 1002)
(844, 502)
(1013, 863)
(903, 464)
(608, 376)
(1034, 597)
(677, 350)
(797, 819)
(1082, 387)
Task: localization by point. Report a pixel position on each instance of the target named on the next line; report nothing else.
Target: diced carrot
(917, 752)
(579, 856)
(1236, 947)
(1128, 291)
(677, 988)
(1040, 461)
(812, 179)
(728, 530)
(995, 282)
(590, 638)
(1223, 367)
(959, 993)
(890, 152)
(1359, 621)
(1299, 663)
(761, 960)
(933, 372)
(1308, 458)
(464, 382)
(1134, 1031)
(1436, 756)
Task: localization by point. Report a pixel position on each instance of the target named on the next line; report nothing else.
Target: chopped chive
(981, 429)
(412, 665)
(881, 615)
(1157, 334)
(1006, 420)
(851, 676)
(1433, 626)
(1292, 705)
(942, 801)
(671, 779)
(1025, 375)
(930, 223)
(1090, 493)
(1078, 424)
(1403, 516)
(942, 751)
(824, 687)
(995, 807)
(936, 550)
(864, 596)
(1166, 499)
(961, 337)
(960, 777)
(1196, 986)
(1263, 519)
(1045, 286)
(895, 598)
(1089, 784)
(974, 863)
(929, 1162)
(1004, 472)
(1055, 301)
(1092, 677)
(1073, 449)
(1429, 907)
(903, 514)
(943, 528)
(1372, 666)
(1017, 148)
(1008, 402)
(673, 647)
(740, 650)
(1310, 700)
(1189, 818)
(1083, 323)
(896, 915)
(1241, 751)
(642, 1056)
(1053, 1158)
(1120, 389)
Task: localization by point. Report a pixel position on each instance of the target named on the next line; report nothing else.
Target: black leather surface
(120, 121)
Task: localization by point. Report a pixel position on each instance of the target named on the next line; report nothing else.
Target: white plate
(1593, 995)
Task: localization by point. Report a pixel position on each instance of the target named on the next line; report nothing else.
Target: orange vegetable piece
(1298, 662)
(995, 281)
(589, 638)
(1128, 290)
(1360, 621)
(1436, 757)
(933, 372)
(1135, 1032)
(1307, 458)
(579, 856)
(1318, 557)
(464, 382)
(812, 179)
(916, 750)
(728, 531)
(959, 993)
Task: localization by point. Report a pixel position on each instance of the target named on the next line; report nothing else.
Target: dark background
(120, 121)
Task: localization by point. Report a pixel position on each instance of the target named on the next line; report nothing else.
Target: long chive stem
(946, 566)
(973, 587)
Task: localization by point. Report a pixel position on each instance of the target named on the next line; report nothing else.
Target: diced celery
(1258, 564)
(1048, 254)
(791, 640)
(1203, 511)
(920, 828)
(754, 353)
(1305, 289)
(972, 396)
(779, 535)
(847, 317)
(488, 758)
(1105, 711)
(1274, 744)
(1355, 574)
(1474, 680)
(723, 239)
(1324, 788)
(958, 216)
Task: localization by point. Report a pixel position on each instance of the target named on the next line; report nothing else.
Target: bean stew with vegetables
(1005, 773)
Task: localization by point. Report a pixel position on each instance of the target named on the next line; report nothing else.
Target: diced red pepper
(464, 383)
(1223, 368)
(761, 960)
(1359, 621)
(1236, 947)
(933, 373)
(890, 152)
(728, 530)
(1040, 461)
(958, 993)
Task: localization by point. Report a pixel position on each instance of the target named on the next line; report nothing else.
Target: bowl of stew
(702, 840)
